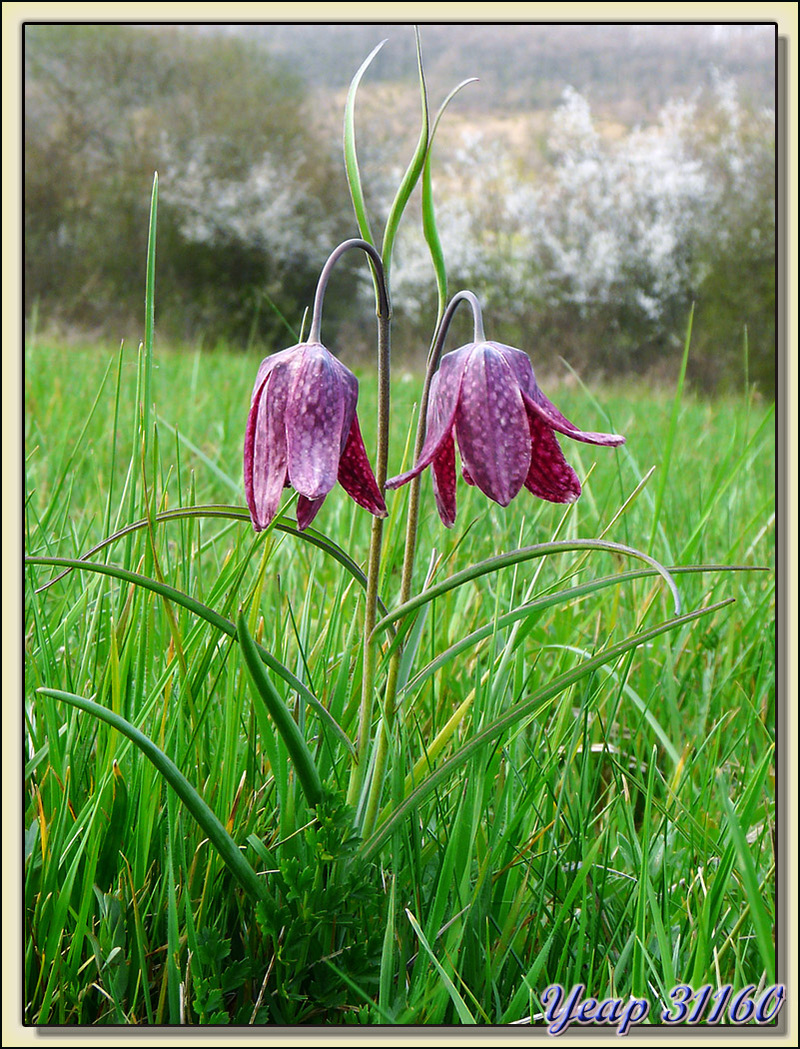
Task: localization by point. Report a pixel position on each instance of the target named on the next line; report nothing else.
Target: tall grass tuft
(617, 833)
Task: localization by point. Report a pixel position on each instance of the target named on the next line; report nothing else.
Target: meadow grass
(543, 822)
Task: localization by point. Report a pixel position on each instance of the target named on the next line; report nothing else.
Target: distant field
(619, 835)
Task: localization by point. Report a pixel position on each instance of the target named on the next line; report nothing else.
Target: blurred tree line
(523, 67)
(582, 246)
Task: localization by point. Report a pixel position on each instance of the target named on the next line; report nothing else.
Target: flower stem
(384, 312)
(389, 706)
(322, 284)
(433, 363)
(376, 536)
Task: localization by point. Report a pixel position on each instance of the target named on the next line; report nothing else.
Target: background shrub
(248, 201)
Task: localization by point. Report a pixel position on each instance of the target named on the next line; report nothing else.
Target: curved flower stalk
(485, 394)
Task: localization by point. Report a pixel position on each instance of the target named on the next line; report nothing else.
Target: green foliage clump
(533, 863)
(306, 951)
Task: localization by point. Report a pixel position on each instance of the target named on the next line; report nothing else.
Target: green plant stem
(384, 313)
(374, 562)
(381, 294)
(389, 703)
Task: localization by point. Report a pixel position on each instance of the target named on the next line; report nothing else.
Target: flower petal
(307, 510)
(265, 448)
(491, 425)
(266, 366)
(550, 476)
(556, 421)
(318, 404)
(442, 404)
(520, 364)
(356, 476)
(443, 475)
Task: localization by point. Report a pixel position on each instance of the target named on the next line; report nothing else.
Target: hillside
(628, 71)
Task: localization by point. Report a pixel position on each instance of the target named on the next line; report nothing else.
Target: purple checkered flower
(303, 432)
(485, 395)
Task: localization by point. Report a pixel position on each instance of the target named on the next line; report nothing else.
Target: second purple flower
(486, 395)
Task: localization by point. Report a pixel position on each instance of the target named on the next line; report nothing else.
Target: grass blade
(532, 705)
(285, 723)
(464, 1015)
(540, 604)
(212, 827)
(234, 513)
(673, 428)
(191, 604)
(762, 923)
(149, 313)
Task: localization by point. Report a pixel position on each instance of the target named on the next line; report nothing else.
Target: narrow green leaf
(191, 604)
(762, 923)
(412, 174)
(539, 605)
(532, 977)
(211, 826)
(64, 474)
(527, 553)
(388, 953)
(673, 428)
(642, 915)
(114, 838)
(149, 312)
(210, 465)
(234, 513)
(285, 723)
(429, 227)
(723, 482)
(350, 154)
(173, 936)
(702, 962)
(667, 972)
(533, 705)
(464, 1014)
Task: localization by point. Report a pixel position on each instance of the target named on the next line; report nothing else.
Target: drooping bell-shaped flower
(303, 432)
(486, 396)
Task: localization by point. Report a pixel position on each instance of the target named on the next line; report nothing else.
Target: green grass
(618, 833)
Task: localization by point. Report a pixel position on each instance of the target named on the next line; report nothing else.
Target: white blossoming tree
(604, 249)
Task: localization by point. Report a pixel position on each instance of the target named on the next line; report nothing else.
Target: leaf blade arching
(206, 818)
(197, 608)
(350, 153)
(540, 698)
